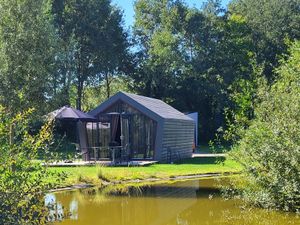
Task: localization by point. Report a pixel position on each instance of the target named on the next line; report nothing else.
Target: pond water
(193, 202)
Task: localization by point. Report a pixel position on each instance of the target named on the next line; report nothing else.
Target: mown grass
(97, 174)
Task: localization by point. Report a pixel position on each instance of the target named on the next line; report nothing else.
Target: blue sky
(127, 6)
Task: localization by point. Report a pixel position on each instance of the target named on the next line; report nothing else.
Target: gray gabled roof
(152, 107)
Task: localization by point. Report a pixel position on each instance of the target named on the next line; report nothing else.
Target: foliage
(96, 43)
(26, 53)
(61, 149)
(190, 57)
(215, 61)
(93, 96)
(22, 182)
(269, 149)
(246, 94)
(159, 60)
(206, 60)
(271, 22)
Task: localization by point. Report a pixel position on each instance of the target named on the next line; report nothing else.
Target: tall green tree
(271, 22)
(96, 43)
(26, 53)
(159, 59)
(191, 57)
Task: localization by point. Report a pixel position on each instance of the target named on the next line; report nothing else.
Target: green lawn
(91, 174)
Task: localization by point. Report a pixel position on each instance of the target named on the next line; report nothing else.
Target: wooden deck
(100, 163)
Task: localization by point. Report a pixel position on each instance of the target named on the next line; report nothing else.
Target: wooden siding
(177, 141)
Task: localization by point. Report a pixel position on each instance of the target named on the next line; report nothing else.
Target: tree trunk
(107, 82)
(79, 94)
(80, 80)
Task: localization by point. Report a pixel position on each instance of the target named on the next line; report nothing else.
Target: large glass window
(131, 129)
(98, 136)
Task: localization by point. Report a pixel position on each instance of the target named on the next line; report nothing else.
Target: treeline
(208, 59)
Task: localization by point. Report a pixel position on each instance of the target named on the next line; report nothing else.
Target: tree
(218, 50)
(159, 59)
(269, 148)
(26, 53)
(95, 95)
(191, 57)
(96, 42)
(271, 21)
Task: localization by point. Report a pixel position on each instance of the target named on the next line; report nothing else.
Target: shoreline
(141, 181)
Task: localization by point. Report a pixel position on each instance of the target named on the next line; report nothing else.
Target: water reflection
(55, 207)
(183, 203)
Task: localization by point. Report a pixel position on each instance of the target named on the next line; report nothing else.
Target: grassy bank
(96, 174)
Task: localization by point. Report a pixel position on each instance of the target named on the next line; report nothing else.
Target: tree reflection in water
(183, 203)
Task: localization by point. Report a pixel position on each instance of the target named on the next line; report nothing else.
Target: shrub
(23, 183)
(269, 149)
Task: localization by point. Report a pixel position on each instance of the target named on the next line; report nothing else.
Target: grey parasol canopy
(69, 113)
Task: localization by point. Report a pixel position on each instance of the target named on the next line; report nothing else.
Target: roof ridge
(168, 108)
(153, 106)
(127, 93)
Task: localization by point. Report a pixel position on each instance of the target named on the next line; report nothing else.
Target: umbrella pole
(122, 136)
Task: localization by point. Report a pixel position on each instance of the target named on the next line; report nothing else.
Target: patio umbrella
(68, 113)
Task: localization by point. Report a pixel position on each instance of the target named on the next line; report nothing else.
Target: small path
(206, 155)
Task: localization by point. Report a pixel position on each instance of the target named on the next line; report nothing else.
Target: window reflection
(123, 125)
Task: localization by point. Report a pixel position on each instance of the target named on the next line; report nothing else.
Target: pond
(183, 203)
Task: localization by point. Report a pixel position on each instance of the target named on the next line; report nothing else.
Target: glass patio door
(125, 134)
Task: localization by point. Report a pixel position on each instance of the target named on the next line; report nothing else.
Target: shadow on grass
(205, 148)
(202, 160)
